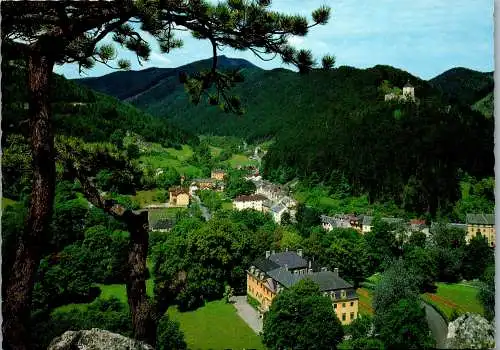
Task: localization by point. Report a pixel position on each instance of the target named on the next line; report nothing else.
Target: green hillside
(464, 86)
(334, 128)
(79, 111)
(272, 98)
(410, 154)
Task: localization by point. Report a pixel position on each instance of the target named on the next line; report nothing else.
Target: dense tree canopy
(378, 146)
(399, 314)
(301, 318)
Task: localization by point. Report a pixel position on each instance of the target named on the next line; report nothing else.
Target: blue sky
(423, 37)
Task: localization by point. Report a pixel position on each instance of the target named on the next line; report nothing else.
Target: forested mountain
(126, 85)
(275, 98)
(81, 112)
(334, 127)
(464, 86)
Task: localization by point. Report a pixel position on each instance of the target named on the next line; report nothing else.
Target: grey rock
(471, 331)
(96, 339)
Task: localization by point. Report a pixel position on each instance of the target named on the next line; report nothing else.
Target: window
(334, 306)
(352, 316)
(352, 303)
(343, 317)
(343, 305)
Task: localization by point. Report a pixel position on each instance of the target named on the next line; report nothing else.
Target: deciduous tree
(301, 318)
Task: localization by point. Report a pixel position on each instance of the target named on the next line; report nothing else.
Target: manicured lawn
(216, 326)
(365, 301)
(107, 291)
(113, 290)
(455, 296)
(6, 202)
(146, 197)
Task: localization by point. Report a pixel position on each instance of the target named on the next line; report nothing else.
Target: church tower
(409, 91)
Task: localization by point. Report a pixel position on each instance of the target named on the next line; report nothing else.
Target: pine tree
(42, 34)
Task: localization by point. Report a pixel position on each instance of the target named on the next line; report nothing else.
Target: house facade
(208, 184)
(218, 174)
(330, 222)
(254, 201)
(341, 221)
(481, 223)
(268, 276)
(178, 197)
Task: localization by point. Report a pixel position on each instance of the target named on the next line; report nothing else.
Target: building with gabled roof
(277, 212)
(253, 201)
(179, 196)
(330, 222)
(268, 276)
(483, 224)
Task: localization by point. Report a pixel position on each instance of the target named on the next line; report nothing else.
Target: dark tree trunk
(142, 311)
(19, 287)
(143, 319)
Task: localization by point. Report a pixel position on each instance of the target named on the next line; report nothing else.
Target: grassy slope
(160, 157)
(146, 197)
(216, 326)
(455, 296)
(319, 198)
(447, 298)
(365, 301)
(118, 291)
(240, 159)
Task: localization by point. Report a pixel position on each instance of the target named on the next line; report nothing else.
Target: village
(277, 200)
(275, 271)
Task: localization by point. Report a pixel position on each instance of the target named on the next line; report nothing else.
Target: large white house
(253, 201)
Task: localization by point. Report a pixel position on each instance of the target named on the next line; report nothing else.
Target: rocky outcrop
(471, 331)
(96, 339)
